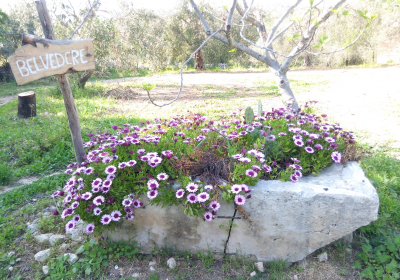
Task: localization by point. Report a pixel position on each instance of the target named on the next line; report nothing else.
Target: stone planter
(289, 220)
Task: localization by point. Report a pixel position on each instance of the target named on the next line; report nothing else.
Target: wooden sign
(39, 58)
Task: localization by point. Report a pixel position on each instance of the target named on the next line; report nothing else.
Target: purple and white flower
(97, 211)
(336, 157)
(152, 184)
(208, 217)
(116, 215)
(192, 198)
(192, 187)
(70, 226)
(152, 194)
(203, 197)
(215, 205)
(86, 195)
(106, 219)
(251, 173)
(111, 169)
(236, 189)
(240, 199)
(98, 200)
(309, 149)
(180, 193)
(89, 228)
(162, 176)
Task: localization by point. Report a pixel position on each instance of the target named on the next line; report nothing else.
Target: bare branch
(183, 65)
(306, 40)
(229, 19)
(203, 20)
(217, 18)
(252, 20)
(84, 19)
(275, 27)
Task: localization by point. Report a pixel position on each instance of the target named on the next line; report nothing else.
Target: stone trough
(289, 220)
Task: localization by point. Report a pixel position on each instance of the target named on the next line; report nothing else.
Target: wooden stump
(26, 105)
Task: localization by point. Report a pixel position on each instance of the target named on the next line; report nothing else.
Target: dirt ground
(361, 99)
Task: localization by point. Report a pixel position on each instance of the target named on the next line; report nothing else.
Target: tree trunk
(26, 105)
(85, 77)
(307, 60)
(286, 91)
(199, 64)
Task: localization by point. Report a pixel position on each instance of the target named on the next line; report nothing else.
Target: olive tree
(299, 27)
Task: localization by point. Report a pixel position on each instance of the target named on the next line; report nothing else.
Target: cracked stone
(42, 255)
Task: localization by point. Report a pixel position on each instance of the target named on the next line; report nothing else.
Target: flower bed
(226, 156)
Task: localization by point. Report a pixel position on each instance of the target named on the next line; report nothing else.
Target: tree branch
(203, 20)
(229, 22)
(306, 40)
(84, 19)
(275, 27)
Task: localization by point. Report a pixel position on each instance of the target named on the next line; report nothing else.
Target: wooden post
(26, 105)
(72, 113)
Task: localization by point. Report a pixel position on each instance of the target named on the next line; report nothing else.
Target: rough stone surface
(72, 258)
(253, 274)
(260, 266)
(45, 269)
(43, 238)
(64, 247)
(152, 263)
(289, 220)
(32, 227)
(56, 238)
(323, 257)
(42, 255)
(171, 263)
(292, 220)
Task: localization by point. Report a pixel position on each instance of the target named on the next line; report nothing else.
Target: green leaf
(334, 11)
(232, 50)
(88, 271)
(249, 115)
(361, 13)
(259, 108)
(357, 264)
(345, 13)
(311, 2)
(148, 86)
(80, 250)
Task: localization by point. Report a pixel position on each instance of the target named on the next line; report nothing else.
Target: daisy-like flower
(309, 149)
(156, 160)
(192, 198)
(208, 217)
(110, 177)
(329, 139)
(245, 188)
(271, 137)
(295, 159)
(89, 228)
(97, 211)
(128, 210)
(122, 165)
(88, 171)
(86, 195)
(297, 137)
(162, 176)
(314, 136)
(208, 188)
(97, 182)
(192, 187)
(69, 226)
(236, 188)
(240, 199)
(298, 167)
(126, 202)
(130, 216)
(251, 173)
(252, 152)
(215, 205)
(152, 194)
(107, 160)
(250, 129)
(237, 156)
(336, 157)
(318, 147)
(244, 159)
(98, 200)
(282, 133)
(105, 189)
(256, 168)
(137, 203)
(266, 168)
(299, 143)
(107, 183)
(75, 204)
(242, 133)
(67, 212)
(106, 219)
(95, 189)
(111, 169)
(298, 173)
(304, 132)
(68, 198)
(180, 193)
(116, 215)
(68, 171)
(294, 178)
(76, 218)
(131, 162)
(203, 197)
(152, 184)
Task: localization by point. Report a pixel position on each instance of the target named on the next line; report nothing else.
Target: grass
(42, 145)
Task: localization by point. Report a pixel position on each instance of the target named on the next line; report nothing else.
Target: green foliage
(6, 174)
(207, 258)
(50, 224)
(380, 256)
(94, 259)
(6, 261)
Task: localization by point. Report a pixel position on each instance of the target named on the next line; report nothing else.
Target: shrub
(206, 157)
(6, 174)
